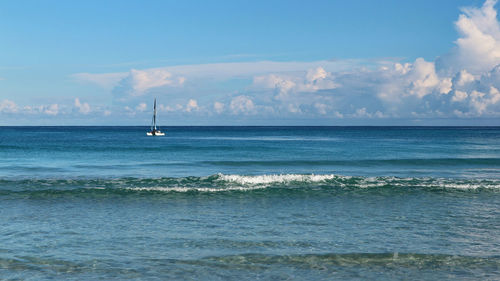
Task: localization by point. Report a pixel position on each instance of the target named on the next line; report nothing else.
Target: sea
(250, 203)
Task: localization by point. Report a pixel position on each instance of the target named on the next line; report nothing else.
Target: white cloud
(143, 80)
(478, 48)
(218, 107)
(316, 74)
(83, 108)
(379, 114)
(361, 113)
(8, 106)
(281, 84)
(459, 96)
(422, 78)
(284, 84)
(337, 114)
(192, 105)
(242, 104)
(166, 108)
(321, 108)
(136, 83)
(463, 78)
(52, 109)
(417, 79)
(481, 101)
(294, 108)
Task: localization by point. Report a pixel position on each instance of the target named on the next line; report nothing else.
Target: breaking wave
(247, 183)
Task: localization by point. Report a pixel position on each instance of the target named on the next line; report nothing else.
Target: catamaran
(154, 131)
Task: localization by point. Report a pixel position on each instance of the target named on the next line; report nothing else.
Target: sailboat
(154, 131)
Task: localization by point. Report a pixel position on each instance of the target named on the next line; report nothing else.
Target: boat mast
(154, 116)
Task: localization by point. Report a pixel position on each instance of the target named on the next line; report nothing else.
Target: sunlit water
(274, 203)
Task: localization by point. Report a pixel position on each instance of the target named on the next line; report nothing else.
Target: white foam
(199, 189)
(463, 184)
(278, 178)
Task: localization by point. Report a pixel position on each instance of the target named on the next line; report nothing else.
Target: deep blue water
(272, 203)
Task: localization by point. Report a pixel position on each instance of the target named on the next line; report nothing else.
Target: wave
(246, 183)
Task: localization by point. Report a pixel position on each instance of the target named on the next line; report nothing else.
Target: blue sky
(250, 62)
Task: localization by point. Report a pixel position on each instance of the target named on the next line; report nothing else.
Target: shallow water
(85, 203)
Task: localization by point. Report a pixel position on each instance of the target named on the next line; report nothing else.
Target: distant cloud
(313, 80)
(321, 108)
(83, 108)
(8, 106)
(218, 107)
(481, 101)
(52, 109)
(192, 105)
(242, 104)
(133, 83)
(138, 82)
(459, 96)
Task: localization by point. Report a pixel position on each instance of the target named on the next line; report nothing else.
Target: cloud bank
(463, 83)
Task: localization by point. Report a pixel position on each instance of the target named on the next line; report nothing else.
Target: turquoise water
(272, 203)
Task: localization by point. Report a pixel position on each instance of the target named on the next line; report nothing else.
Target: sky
(250, 62)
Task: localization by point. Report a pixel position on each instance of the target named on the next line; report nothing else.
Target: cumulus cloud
(8, 106)
(416, 79)
(192, 105)
(361, 113)
(313, 80)
(218, 107)
(481, 102)
(52, 109)
(138, 83)
(242, 105)
(321, 107)
(168, 108)
(143, 80)
(478, 48)
(83, 108)
(463, 78)
(459, 96)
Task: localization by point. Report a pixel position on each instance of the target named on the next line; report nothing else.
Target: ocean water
(249, 203)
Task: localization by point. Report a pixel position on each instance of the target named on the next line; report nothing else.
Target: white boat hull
(157, 133)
